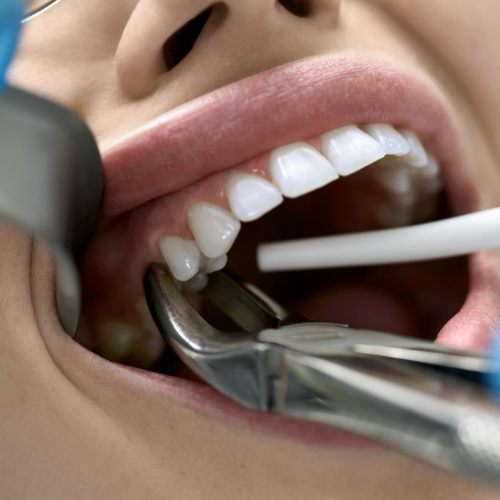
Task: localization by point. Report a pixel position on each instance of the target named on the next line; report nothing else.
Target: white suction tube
(460, 235)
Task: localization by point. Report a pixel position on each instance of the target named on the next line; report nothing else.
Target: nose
(210, 39)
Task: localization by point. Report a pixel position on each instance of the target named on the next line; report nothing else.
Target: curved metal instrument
(412, 395)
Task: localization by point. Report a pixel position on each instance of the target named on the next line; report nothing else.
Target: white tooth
(116, 340)
(209, 266)
(395, 178)
(299, 168)
(430, 169)
(121, 342)
(213, 228)
(389, 138)
(251, 196)
(350, 149)
(195, 284)
(182, 256)
(417, 157)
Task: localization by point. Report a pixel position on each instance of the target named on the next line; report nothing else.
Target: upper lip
(288, 103)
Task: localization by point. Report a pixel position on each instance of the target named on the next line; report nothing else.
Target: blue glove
(494, 378)
(11, 12)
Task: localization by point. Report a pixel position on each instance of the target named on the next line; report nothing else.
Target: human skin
(76, 426)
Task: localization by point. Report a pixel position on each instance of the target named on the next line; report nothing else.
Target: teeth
(395, 178)
(210, 266)
(389, 138)
(417, 157)
(350, 149)
(182, 256)
(299, 168)
(196, 284)
(213, 228)
(251, 196)
(430, 170)
(120, 342)
(408, 175)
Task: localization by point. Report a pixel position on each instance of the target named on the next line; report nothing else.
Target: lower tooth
(209, 266)
(196, 284)
(120, 342)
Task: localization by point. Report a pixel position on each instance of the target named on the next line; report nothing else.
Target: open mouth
(321, 146)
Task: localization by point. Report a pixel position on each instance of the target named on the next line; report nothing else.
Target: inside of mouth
(414, 299)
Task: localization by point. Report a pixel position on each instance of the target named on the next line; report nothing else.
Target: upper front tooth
(350, 149)
(299, 168)
(389, 138)
(417, 156)
(182, 256)
(213, 228)
(251, 196)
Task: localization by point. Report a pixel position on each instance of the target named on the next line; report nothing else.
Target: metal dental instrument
(50, 184)
(409, 394)
(459, 235)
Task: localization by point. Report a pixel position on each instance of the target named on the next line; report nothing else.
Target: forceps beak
(234, 363)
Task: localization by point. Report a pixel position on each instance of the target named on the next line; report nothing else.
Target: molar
(251, 196)
(182, 256)
(350, 149)
(299, 168)
(389, 138)
(121, 342)
(213, 228)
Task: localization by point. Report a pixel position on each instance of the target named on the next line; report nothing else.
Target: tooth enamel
(395, 178)
(121, 342)
(417, 157)
(350, 149)
(213, 228)
(389, 138)
(210, 266)
(251, 196)
(430, 169)
(299, 168)
(182, 256)
(195, 284)
(115, 340)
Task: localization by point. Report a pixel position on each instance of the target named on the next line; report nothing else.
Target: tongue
(360, 306)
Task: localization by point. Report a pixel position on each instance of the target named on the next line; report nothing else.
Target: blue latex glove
(494, 379)
(11, 12)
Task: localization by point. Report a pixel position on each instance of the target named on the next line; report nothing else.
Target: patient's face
(194, 105)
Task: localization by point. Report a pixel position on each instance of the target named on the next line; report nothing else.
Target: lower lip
(205, 400)
(144, 153)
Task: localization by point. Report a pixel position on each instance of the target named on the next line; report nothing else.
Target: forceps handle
(433, 418)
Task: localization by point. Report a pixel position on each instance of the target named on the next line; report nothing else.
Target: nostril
(299, 8)
(178, 45)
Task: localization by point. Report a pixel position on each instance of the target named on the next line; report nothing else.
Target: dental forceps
(415, 396)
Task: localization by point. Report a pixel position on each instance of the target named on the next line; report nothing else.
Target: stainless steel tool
(51, 184)
(416, 396)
